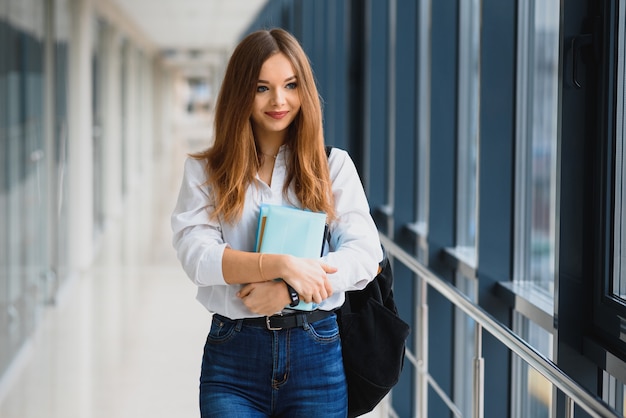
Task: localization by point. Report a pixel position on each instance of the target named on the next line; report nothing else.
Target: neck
(273, 155)
(269, 147)
(269, 143)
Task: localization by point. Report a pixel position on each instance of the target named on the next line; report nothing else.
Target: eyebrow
(293, 77)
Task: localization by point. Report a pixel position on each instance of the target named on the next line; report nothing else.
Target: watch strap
(293, 295)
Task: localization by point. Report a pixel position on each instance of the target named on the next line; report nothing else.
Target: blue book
(288, 230)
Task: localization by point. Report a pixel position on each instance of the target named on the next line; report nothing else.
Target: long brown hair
(234, 159)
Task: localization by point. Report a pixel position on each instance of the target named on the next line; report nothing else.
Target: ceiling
(192, 34)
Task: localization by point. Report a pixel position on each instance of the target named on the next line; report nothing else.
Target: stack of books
(289, 230)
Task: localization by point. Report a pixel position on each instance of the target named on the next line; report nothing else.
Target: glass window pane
(537, 119)
(23, 191)
(466, 211)
(544, 139)
(614, 393)
(532, 393)
(468, 116)
(464, 349)
(535, 199)
(60, 250)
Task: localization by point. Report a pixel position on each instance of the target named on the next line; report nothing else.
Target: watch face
(294, 299)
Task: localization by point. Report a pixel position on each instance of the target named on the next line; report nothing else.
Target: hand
(265, 298)
(309, 278)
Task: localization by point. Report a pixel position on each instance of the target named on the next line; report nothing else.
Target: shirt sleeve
(197, 239)
(355, 245)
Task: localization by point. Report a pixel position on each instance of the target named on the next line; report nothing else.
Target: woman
(262, 359)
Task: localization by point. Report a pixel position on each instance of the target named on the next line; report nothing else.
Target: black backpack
(373, 340)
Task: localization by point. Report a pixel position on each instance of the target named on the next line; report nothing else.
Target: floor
(125, 338)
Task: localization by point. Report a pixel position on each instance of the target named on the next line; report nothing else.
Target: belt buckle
(268, 324)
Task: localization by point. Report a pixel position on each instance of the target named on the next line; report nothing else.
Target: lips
(277, 115)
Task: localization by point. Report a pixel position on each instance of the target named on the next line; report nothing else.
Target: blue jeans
(249, 371)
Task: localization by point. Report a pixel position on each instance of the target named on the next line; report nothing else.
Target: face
(276, 101)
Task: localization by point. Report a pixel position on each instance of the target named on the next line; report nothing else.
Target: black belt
(284, 321)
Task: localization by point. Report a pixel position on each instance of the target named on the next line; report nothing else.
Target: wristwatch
(295, 299)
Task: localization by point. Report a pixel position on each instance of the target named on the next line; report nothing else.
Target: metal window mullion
(523, 147)
(422, 347)
(462, 121)
(522, 170)
(620, 175)
(479, 374)
(367, 98)
(391, 116)
(467, 111)
(424, 79)
(554, 177)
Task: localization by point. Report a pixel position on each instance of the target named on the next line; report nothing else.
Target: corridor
(125, 338)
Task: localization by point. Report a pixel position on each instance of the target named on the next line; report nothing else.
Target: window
(537, 122)
(23, 180)
(466, 209)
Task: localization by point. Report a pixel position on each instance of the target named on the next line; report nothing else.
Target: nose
(278, 98)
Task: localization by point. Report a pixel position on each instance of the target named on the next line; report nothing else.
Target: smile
(277, 115)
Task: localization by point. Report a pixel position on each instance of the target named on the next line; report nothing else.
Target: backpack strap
(328, 149)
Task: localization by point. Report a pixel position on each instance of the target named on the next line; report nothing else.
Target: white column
(163, 112)
(146, 109)
(80, 169)
(112, 96)
(130, 125)
(51, 178)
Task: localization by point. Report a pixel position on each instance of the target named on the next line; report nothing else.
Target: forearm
(241, 267)
(307, 276)
(265, 298)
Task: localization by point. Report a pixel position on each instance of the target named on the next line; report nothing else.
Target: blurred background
(489, 136)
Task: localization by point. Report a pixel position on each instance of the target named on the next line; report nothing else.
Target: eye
(291, 86)
(261, 89)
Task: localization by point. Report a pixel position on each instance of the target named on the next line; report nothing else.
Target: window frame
(619, 228)
(609, 312)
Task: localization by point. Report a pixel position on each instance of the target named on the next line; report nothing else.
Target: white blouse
(200, 242)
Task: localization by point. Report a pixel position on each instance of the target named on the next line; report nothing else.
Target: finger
(329, 269)
(328, 287)
(245, 291)
(323, 293)
(318, 298)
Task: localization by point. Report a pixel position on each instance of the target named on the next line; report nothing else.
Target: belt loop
(302, 322)
(238, 325)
